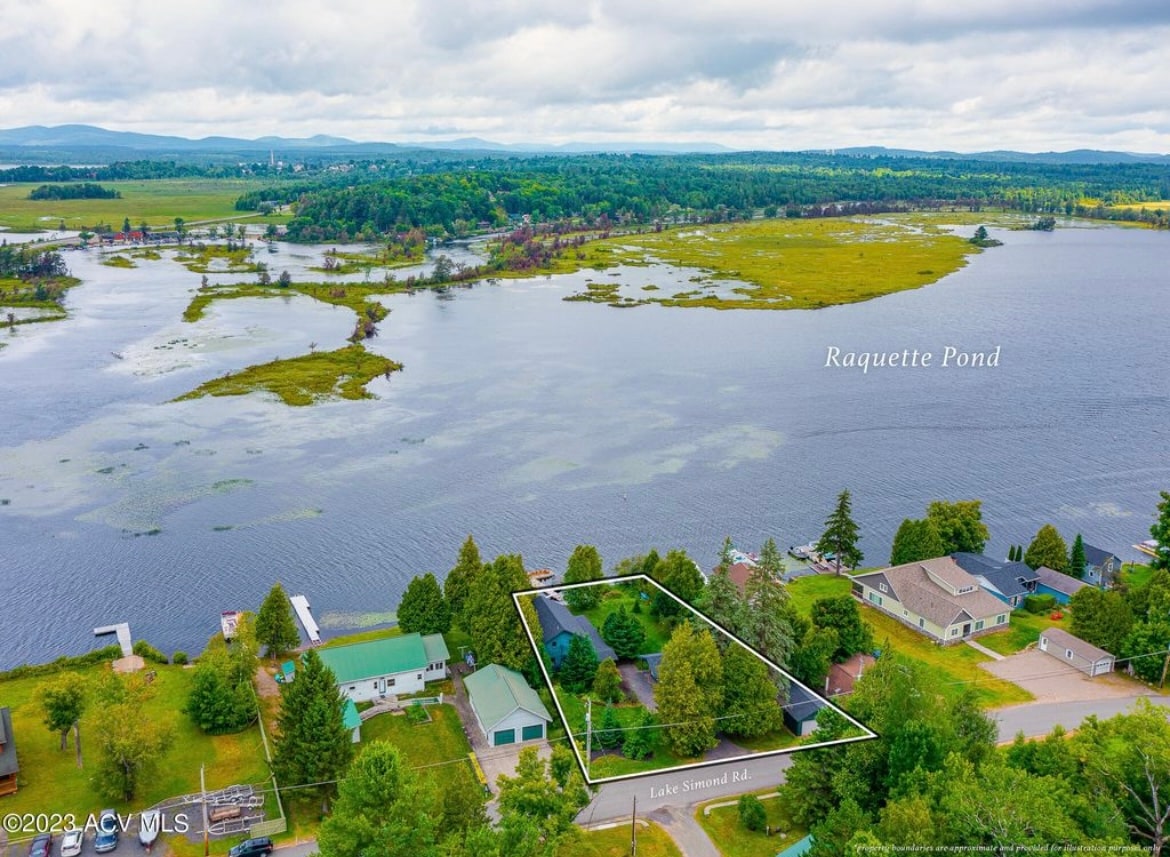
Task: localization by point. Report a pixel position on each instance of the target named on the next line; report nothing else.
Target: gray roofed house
(936, 597)
(1057, 584)
(1010, 582)
(1101, 567)
(653, 662)
(9, 766)
(1086, 657)
(506, 708)
(800, 712)
(558, 626)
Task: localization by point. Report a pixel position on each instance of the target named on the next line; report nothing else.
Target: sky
(748, 74)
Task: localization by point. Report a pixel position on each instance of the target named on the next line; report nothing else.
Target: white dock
(301, 606)
(122, 630)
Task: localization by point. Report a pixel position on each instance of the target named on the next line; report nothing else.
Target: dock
(122, 630)
(300, 606)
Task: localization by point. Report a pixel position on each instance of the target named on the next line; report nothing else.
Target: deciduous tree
(584, 565)
(62, 699)
(689, 691)
(960, 525)
(607, 682)
(916, 540)
(1160, 530)
(130, 742)
(677, 572)
(1047, 549)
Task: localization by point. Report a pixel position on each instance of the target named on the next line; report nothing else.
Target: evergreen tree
(1047, 549)
(768, 627)
(843, 616)
(423, 608)
(584, 565)
(490, 615)
(770, 559)
(1161, 534)
(276, 627)
(607, 683)
(579, 667)
(723, 604)
(677, 572)
(459, 580)
(638, 741)
(609, 735)
(841, 535)
(222, 699)
(752, 814)
(959, 525)
(750, 705)
(623, 633)
(1076, 559)
(689, 691)
(915, 541)
(312, 743)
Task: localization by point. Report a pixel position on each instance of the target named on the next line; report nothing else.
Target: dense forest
(85, 190)
(453, 199)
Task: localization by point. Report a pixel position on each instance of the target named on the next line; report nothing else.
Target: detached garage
(507, 709)
(1073, 650)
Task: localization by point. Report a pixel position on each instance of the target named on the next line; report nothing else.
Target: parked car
(107, 832)
(42, 846)
(71, 841)
(261, 846)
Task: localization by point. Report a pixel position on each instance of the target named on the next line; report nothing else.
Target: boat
(1149, 547)
(803, 551)
(149, 825)
(229, 621)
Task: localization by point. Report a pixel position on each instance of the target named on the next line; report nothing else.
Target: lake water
(536, 424)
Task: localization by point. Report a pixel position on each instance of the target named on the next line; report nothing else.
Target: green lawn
(434, 743)
(1024, 631)
(805, 590)
(653, 841)
(657, 632)
(51, 782)
(362, 637)
(734, 840)
(1136, 574)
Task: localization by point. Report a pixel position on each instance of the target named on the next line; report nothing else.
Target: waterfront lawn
(362, 637)
(437, 749)
(657, 631)
(1024, 631)
(305, 380)
(1135, 574)
(804, 591)
(653, 841)
(51, 782)
(734, 840)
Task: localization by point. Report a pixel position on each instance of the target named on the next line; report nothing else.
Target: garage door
(531, 733)
(504, 736)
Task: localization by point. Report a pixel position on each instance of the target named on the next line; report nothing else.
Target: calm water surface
(537, 424)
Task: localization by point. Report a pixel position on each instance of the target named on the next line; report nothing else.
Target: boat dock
(122, 630)
(300, 606)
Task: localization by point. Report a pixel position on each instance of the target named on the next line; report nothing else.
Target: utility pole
(1165, 669)
(634, 829)
(588, 733)
(203, 803)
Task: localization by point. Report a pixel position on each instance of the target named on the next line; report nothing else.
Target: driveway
(1051, 680)
(639, 685)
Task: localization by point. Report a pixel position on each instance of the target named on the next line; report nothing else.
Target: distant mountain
(1077, 156)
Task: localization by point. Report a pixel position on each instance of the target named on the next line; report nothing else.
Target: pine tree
(1076, 559)
(423, 608)
(841, 535)
(1161, 533)
(579, 667)
(276, 628)
(723, 604)
(609, 735)
(584, 565)
(607, 683)
(459, 580)
(1047, 549)
(768, 628)
(312, 743)
(624, 633)
(770, 560)
(639, 737)
(750, 703)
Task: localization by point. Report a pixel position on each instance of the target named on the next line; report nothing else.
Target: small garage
(507, 709)
(1074, 651)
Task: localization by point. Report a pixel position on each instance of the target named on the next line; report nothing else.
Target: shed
(9, 767)
(1086, 657)
(800, 712)
(507, 709)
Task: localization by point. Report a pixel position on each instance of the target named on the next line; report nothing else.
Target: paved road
(1038, 718)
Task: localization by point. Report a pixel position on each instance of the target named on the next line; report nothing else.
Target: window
(978, 624)
(954, 632)
(1001, 618)
(420, 676)
(391, 681)
(1068, 653)
(875, 598)
(921, 623)
(353, 687)
(883, 587)
(905, 612)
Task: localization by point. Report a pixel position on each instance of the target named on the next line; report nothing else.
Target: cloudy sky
(966, 75)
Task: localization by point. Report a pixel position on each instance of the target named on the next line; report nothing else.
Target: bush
(751, 813)
(97, 656)
(179, 658)
(1039, 604)
(148, 652)
(416, 714)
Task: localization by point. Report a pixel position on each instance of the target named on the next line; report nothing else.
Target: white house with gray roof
(507, 710)
(935, 597)
(1086, 657)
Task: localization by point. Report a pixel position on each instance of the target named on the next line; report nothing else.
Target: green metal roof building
(507, 709)
(387, 667)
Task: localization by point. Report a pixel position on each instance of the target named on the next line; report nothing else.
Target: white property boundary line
(868, 735)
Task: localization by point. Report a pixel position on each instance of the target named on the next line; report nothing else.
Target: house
(1060, 586)
(387, 667)
(9, 767)
(505, 707)
(1101, 567)
(351, 719)
(1086, 657)
(842, 677)
(1010, 582)
(800, 712)
(558, 627)
(936, 597)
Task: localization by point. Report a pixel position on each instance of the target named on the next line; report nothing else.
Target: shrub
(751, 813)
(179, 658)
(416, 714)
(1039, 604)
(97, 656)
(148, 652)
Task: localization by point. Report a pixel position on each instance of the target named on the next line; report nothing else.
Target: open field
(428, 746)
(304, 380)
(157, 203)
(735, 840)
(51, 782)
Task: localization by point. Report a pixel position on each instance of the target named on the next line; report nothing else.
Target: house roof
(495, 692)
(1064, 640)
(436, 648)
(555, 619)
(802, 705)
(1097, 557)
(8, 763)
(349, 714)
(1007, 578)
(739, 574)
(1062, 583)
(913, 588)
(653, 662)
(389, 655)
(855, 665)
